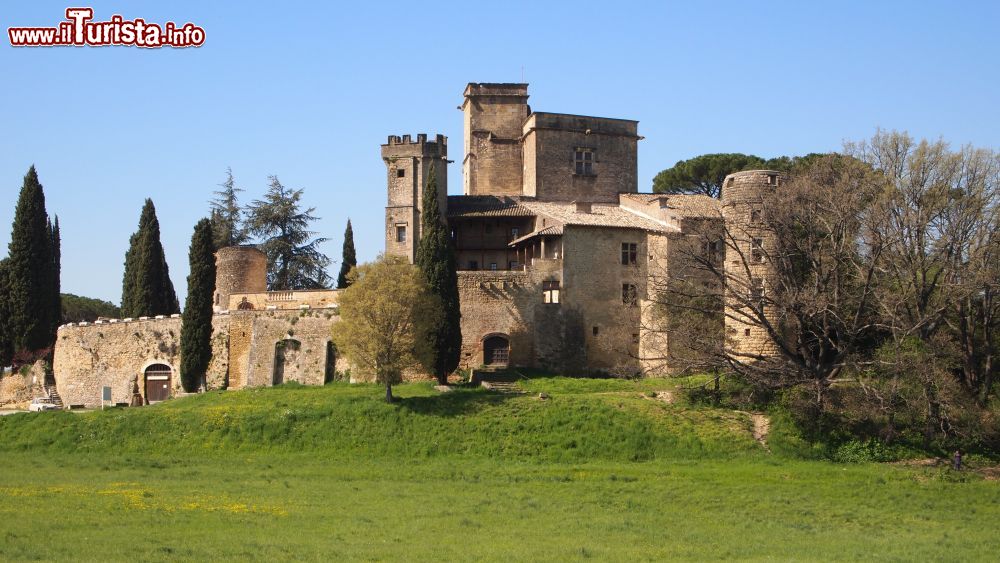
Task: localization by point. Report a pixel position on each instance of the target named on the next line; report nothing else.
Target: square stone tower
(494, 116)
(407, 164)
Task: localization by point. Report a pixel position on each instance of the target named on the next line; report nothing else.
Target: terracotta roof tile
(485, 206)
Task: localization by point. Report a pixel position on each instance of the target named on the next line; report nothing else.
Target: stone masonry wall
(89, 356)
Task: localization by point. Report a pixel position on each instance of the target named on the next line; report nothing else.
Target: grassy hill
(603, 469)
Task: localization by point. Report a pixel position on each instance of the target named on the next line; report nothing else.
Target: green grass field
(601, 471)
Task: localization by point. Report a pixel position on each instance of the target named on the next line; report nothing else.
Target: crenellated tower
(749, 271)
(407, 163)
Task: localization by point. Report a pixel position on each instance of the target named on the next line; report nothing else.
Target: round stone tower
(748, 271)
(238, 269)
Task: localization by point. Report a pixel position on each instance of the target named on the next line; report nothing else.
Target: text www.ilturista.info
(78, 30)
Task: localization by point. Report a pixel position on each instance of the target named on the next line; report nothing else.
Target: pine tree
(146, 287)
(293, 257)
(349, 258)
(196, 330)
(55, 244)
(436, 259)
(227, 228)
(29, 271)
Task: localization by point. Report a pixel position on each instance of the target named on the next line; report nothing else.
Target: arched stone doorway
(286, 360)
(157, 382)
(330, 371)
(496, 350)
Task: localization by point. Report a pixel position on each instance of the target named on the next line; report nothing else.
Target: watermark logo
(80, 30)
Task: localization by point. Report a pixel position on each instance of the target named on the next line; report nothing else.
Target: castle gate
(496, 350)
(157, 378)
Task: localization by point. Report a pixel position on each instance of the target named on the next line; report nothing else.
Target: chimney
(582, 206)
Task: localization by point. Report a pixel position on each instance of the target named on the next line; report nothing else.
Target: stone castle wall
(89, 356)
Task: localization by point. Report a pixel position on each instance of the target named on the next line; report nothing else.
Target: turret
(238, 269)
(744, 196)
(407, 164)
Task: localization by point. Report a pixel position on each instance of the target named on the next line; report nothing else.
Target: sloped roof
(681, 205)
(554, 230)
(485, 206)
(601, 215)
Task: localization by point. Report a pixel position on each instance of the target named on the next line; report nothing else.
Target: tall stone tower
(749, 272)
(494, 117)
(407, 163)
(238, 269)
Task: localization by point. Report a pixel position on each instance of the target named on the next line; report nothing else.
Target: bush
(867, 451)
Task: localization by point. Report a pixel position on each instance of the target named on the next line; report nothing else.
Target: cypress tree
(6, 338)
(196, 330)
(436, 259)
(55, 243)
(349, 258)
(29, 271)
(146, 287)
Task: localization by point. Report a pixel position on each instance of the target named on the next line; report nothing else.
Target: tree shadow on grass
(455, 403)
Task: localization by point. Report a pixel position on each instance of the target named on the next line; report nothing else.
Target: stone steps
(53, 395)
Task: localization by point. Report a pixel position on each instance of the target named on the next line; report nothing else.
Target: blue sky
(308, 91)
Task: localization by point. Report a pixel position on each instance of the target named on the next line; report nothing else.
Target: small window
(550, 292)
(513, 265)
(400, 173)
(584, 160)
(746, 332)
(629, 253)
(596, 330)
(713, 250)
(635, 338)
(772, 179)
(400, 233)
(630, 296)
(514, 233)
(755, 215)
(757, 252)
(473, 265)
(493, 266)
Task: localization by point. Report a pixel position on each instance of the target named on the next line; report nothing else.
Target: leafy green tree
(436, 259)
(146, 287)
(703, 174)
(349, 259)
(55, 242)
(384, 312)
(196, 331)
(30, 272)
(227, 228)
(77, 309)
(293, 257)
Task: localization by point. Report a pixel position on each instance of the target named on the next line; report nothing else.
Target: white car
(39, 404)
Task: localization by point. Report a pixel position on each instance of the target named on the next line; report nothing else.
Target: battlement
(404, 145)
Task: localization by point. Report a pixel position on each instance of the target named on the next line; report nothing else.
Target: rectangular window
(550, 292)
(473, 265)
(514, 232)
(513, 265)
(596, 330)
(584, 160)
(401, 233)
(629, 252)
(755, 215)
(630, 296)
(493, 266)
(757, 252)
(635, 338)
(400, 173)
(756, 288)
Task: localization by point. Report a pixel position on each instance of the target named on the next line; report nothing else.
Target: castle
(557, 251)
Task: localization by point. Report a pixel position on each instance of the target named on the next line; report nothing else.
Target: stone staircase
(53, 395)
(501, 380)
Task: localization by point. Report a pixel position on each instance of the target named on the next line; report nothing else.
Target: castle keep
(559, 259)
